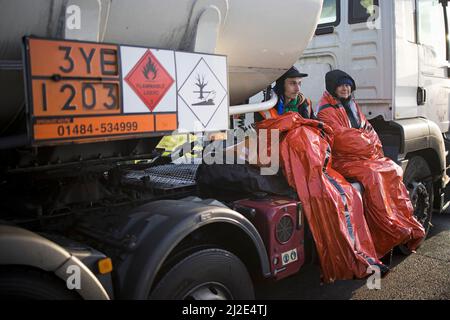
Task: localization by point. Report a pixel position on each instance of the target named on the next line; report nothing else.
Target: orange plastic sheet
(358, 155)
(331, 205)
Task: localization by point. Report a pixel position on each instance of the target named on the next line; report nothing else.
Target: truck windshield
(330, 13)
(432, 29)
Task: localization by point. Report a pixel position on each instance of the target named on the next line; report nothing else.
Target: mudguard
(403, 137)
(157, 227)
(22, 247)
(420, 134)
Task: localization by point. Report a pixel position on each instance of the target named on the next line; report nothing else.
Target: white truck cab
(398, 53)
(395, 50)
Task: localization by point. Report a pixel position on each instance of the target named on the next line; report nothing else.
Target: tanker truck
(90, 207)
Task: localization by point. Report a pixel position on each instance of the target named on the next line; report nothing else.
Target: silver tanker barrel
(260, 37)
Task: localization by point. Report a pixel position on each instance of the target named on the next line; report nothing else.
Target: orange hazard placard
(64, 98)
(56, 129)
(75, 93)
(73, 59)
(83, 127)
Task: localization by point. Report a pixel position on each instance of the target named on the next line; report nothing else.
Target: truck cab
(398, 53)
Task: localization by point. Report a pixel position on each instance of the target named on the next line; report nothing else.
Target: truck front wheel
(418, 181)
(17, 283)
(210, 274)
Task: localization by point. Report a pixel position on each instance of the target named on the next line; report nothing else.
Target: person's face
(343, 91)
(292, 87)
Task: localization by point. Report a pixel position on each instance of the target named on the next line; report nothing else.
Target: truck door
(434, 83)
(406, 60)
(322, 52)
(351, 37)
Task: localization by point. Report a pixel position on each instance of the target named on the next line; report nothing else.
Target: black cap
(291, 73)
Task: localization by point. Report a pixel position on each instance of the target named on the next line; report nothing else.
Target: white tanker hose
(255, 107)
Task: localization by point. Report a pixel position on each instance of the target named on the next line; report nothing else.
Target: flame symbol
(150, 67)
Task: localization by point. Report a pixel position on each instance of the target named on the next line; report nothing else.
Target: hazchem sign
(84, 92)
(203, 93)
(149, 80)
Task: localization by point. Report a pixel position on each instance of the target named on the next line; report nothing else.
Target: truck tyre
(210, 274)
(418, 181)
(32, 284)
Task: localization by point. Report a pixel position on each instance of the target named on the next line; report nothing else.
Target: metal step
(163, 177)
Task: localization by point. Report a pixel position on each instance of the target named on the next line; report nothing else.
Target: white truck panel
(364, 50)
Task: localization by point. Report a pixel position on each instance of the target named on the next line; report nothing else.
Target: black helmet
(291, 73)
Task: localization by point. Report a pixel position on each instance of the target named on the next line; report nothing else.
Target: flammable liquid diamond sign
(149, 80)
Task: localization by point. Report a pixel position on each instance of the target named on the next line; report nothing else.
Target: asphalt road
(423, 275)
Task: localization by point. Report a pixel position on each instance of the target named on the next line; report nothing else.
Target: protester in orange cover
(333, 208)
(290, 98)
(358, 155)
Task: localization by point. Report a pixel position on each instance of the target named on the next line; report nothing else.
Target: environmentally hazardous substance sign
(202, 92)
(84, 92)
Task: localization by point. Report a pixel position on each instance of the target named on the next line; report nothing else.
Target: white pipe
(255, 107)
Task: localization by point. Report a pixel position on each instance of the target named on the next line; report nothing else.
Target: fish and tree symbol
(206, 97)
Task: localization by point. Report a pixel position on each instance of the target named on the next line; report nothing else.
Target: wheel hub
(209, 291)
